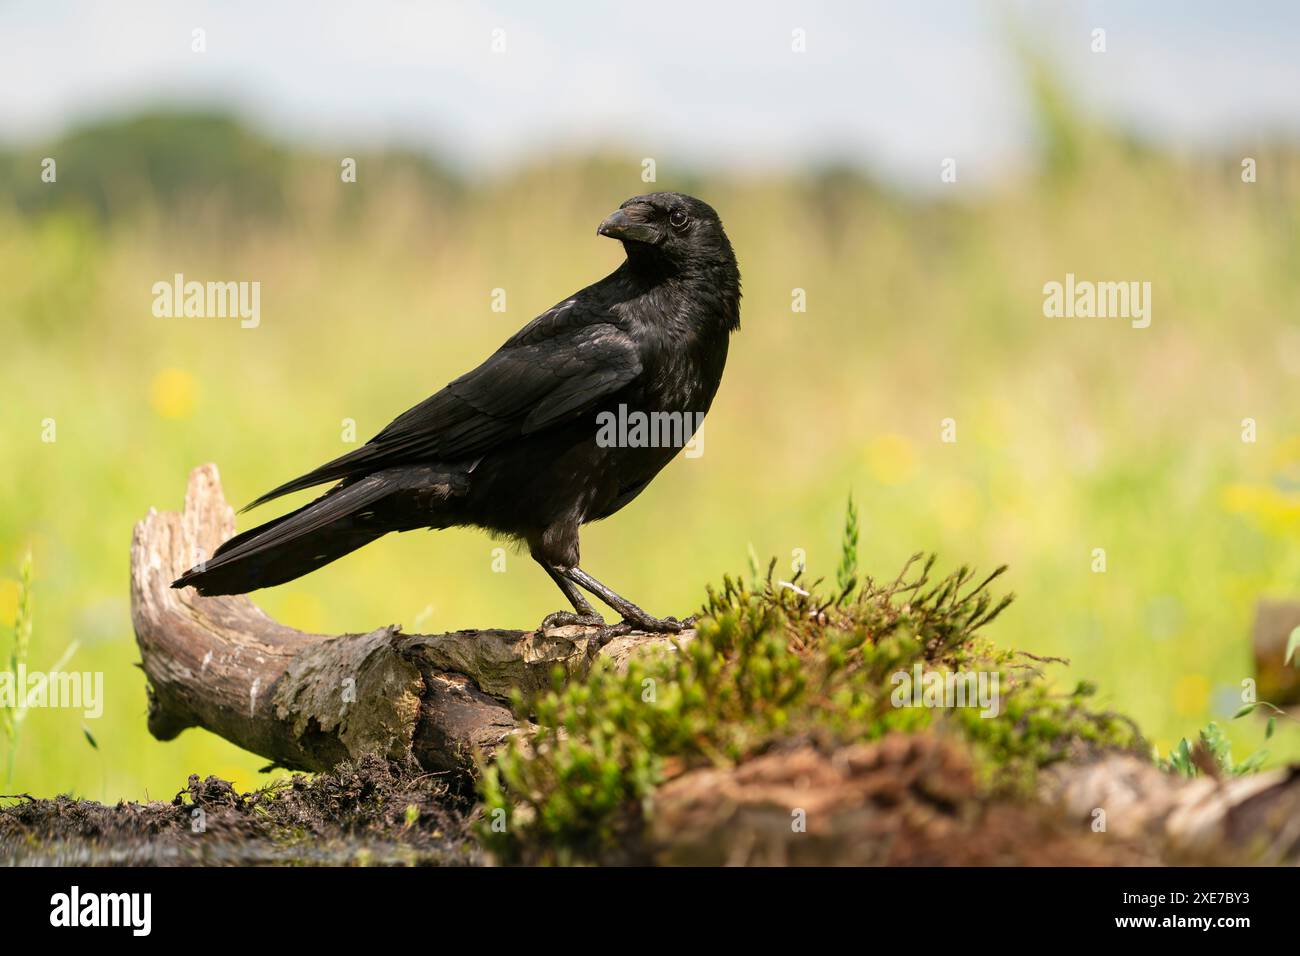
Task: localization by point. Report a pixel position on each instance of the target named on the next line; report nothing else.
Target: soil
(372, 812)
(903, 800)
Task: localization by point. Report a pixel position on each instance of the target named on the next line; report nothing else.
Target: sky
(893, 87)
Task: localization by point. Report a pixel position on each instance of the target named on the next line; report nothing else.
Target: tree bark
(309, 701)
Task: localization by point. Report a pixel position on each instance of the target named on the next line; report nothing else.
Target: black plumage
(512, 446)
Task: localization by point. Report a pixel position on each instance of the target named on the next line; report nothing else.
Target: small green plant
(1214, 745)
(755, 567)
(1213, 753)
(13, 708)
(846, 576)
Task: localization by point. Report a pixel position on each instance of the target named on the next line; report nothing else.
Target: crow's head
(672, 229)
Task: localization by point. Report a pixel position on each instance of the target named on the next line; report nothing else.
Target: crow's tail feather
(340, 468)
(335, 524)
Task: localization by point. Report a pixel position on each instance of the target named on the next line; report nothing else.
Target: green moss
(767, 664)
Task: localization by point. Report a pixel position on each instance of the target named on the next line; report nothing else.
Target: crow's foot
(565, 618)
(641, 621)
(668, 625)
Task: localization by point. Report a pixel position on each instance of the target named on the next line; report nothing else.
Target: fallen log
(309, 701)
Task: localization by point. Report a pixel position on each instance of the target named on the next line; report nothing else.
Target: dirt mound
(371, 812)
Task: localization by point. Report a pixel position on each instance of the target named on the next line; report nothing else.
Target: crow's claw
(565, 618)
(668, 625)
(655, 625)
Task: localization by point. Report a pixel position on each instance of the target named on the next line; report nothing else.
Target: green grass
(1072, 435)
(13, 712)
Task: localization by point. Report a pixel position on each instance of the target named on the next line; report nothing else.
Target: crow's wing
(554, 369)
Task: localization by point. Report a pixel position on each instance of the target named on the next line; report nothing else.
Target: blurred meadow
(1072, 434)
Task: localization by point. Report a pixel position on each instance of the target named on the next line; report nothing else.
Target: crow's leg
(633, 616)
(582, 613)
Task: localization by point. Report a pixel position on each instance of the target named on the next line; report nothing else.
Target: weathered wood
(308, 701)
(915, 799)
(1257, 813)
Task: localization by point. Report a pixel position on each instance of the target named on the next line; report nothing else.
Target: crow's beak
(629, 225)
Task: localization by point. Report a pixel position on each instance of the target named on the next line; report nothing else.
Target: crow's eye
(678, 219)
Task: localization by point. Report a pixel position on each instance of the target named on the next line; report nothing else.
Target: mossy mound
(774, 666)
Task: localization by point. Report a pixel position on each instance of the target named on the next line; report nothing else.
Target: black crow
(524, 445)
